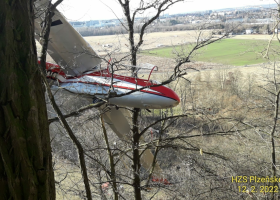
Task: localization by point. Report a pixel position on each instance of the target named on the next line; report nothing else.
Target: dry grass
(69, 180)
(253, 37)
(151, 40)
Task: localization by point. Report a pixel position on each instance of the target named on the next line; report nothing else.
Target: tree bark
(130, 24)
(25, 152)
(272, 134)
(136, 155)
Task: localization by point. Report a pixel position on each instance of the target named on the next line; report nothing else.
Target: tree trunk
(25, 152)
(136, 156)
(111, 160)
(130, 24)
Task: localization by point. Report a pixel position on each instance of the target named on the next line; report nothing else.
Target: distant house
(107, 45)
(196, 21)
(78, 24)
(249, 31)
(215, 21)
(213, 14)
(160, 45)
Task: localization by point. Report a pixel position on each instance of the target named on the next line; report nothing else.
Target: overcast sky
(102, 9)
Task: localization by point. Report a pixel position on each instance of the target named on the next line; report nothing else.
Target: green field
(236, 52)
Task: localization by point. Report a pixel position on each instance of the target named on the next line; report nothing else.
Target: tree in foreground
(25, 152)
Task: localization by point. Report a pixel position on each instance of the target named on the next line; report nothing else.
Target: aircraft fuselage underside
(97, 84)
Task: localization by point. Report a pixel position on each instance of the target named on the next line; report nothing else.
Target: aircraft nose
(175, 101)
(171, 94)
(173, 98)
(177, 98)
(167, 98)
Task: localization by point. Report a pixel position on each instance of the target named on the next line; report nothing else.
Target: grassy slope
(236, 52)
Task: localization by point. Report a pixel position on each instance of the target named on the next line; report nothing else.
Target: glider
(78, 70)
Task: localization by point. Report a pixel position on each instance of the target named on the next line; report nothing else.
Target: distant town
(249, 20)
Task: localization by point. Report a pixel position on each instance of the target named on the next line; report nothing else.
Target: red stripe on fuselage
(171, 94)
(54, 68)
(164, 91)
